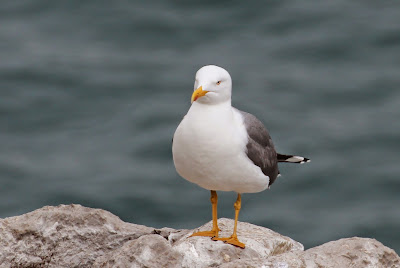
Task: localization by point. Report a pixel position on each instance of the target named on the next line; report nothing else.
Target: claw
(233, 240)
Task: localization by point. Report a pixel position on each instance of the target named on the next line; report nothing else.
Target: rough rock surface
(76, 236)
(63, 236)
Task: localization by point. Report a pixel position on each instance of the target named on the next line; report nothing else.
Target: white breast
(209, 149)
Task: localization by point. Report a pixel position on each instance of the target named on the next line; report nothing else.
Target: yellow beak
(198, 93)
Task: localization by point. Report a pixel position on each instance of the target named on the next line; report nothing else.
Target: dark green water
(91, 94)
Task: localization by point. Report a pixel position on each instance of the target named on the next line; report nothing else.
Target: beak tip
(198, 93)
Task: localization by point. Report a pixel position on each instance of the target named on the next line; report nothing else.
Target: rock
(260, 243)
(352, 252)
(76, 236)
(179, 250)
(63, 236)
(146, 251)
(347, 252)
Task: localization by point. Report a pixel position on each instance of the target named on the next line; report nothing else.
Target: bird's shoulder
(256, 130)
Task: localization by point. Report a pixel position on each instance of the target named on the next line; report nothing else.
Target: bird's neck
(206, 109)
(208, 121)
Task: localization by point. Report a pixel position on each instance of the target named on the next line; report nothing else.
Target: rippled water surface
(91, 94)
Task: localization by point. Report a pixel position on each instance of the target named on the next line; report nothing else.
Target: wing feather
(260, 148)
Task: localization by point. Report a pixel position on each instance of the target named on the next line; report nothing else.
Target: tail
(292, 159)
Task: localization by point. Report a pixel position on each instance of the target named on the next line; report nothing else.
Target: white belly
(209, 150)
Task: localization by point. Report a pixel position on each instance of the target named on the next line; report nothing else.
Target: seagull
(221, 148)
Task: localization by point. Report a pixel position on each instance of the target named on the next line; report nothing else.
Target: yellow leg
(233, 240)
(214, 231)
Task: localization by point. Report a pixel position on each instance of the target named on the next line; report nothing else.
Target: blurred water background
(92, 91)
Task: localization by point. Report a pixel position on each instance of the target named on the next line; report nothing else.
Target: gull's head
(213, 85)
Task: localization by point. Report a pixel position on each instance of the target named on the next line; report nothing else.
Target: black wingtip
(292, 159)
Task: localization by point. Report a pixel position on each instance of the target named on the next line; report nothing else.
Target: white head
(213, 85)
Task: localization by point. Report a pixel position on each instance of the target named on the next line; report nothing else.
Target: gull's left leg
(233, 240)
(214, 231)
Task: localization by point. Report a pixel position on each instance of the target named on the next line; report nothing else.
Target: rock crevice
(77, 236)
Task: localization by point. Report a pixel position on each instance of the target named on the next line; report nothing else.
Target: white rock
(76, 236)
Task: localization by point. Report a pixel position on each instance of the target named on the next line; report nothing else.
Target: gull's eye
(218, 83)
